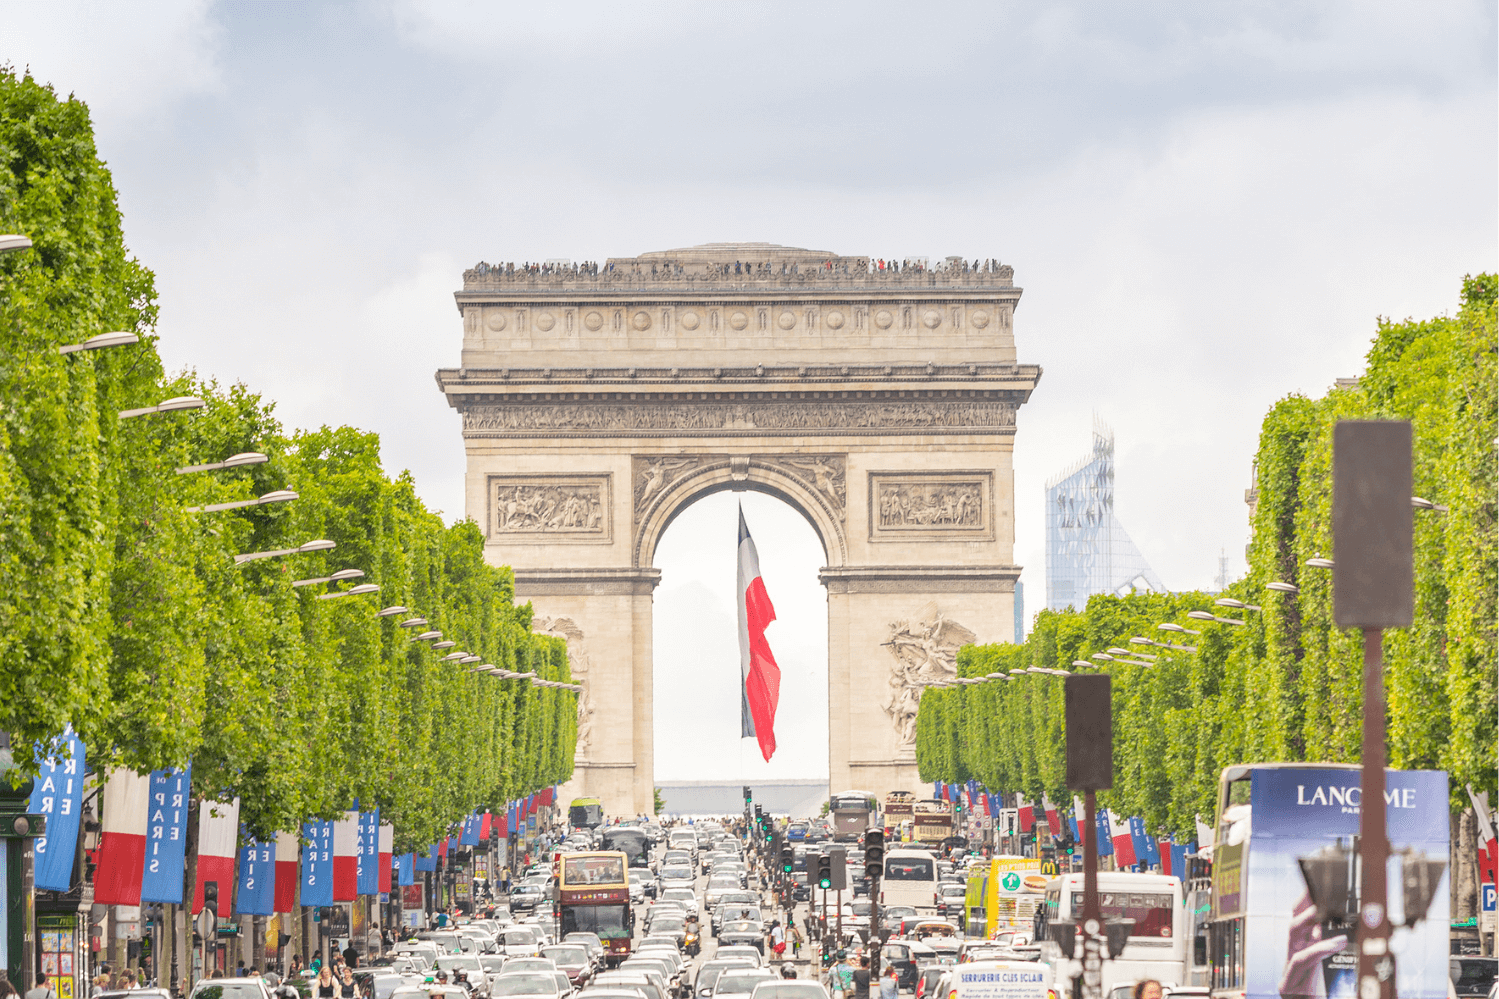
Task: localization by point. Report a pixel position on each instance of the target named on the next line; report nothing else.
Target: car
(746, 932)
(686, 896)
(796, 988)
(670, 977)
(229, 988)
(658, 941)
(740, 982)
(470, 965)
(641, 983)
(1473, 976)
(669, 924)
(493, 964)
(592, 941)
(742, 952)
(526, 897)
(796, 832)
(670, 955)
(519, 941)
(732, 910)
(638, 881)
(530, 983)
(431, 990)
(707, 975)
(574, 960)
(133, 994)
(675, 877)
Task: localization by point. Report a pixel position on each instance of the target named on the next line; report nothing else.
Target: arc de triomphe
(598, 402)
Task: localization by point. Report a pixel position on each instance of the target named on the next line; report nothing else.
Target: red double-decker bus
(593, 896)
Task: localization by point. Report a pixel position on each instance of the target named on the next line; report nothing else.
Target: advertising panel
(1296, 812)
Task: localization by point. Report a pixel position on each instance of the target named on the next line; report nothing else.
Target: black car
(1473, 976)
(898, 956)
(742, 931)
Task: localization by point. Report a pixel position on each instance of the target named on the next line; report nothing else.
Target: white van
(1159, 936)
(999, 980)
(910, 879)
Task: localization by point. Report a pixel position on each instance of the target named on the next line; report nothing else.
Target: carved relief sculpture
(652, 475)
(935, 504)
(724, 417)
(579, 664)
(549, 506)
(925, 651)
(826, 475)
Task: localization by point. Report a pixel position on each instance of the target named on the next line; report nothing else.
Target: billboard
(1296, 812)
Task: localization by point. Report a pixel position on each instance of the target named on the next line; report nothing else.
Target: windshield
(524, 985)
(677, 872)
(632, 842)
(566, 955)
(738, 981)
(741, 927)
(608, 921)
(678, 894)
(789, 990)
(667, 924)
(593, 870)
(1151, 911)
(246, 991)
(519, 938)
(453, 963)
(908, 869)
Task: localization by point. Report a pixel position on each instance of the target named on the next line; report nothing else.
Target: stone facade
(598, 401)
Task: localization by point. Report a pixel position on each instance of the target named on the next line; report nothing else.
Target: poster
(1296, 812)
(59, 940)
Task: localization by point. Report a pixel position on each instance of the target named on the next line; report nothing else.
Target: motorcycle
(692, 943)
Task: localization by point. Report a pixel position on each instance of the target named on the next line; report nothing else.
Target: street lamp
(1236, 604)
(1279, 587)
(389, 611)
(1017, 672)
(1320, 563)
(1426, 504)
(1205, 616)
(10, 243)
(444, 644)
(451, 656)
(119, 339)
(428, 636)
(1178, 629)
(414, 622)
(168, 406)
(311, 546)
(352, 591)
(275, 496)
(233, 461)
(338, 576)
(1130, 652)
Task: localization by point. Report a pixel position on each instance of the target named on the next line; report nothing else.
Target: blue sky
(1208, 206)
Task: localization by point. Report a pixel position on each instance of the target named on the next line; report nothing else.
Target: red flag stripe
(122, 848)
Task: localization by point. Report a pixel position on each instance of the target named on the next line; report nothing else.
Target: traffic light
(787, 860)
(746, 792)
(874, 854)
(824, 871)
(211, 897)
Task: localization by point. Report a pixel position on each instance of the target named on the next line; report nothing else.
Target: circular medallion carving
(496, 321)
(689, 320)
(545, 322)
(786, 320)
(641, 320)
(739, 320)
(594, 321)
(931, 318)
(835, 320)
(979, 319)
(883, 319)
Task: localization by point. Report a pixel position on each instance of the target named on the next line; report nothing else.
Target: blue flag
(58, 794)
(937, 792)
(1179, 860)
(1140, 841)
(1105, 839)
(317, 863)
(166, 836)
(1152, 855)
(429, 862)
(470, 836)
(367, 854)
(510, 818)
(406, 869)
(257, 877)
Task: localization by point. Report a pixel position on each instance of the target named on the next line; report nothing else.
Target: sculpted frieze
(551, 507)
(925, 651)
(931, 505)
(742, 417)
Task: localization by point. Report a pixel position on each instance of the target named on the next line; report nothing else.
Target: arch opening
(695, 668)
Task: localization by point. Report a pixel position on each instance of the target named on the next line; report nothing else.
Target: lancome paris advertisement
(1295, 812)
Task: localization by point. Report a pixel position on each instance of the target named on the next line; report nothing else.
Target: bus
(851, 813)
(931, 822)
(633, 841)
(1150, 903)
(1272, 815)
(898, 813)
(585, 813)
(910, 879)
(1003, 895)
(593, 896)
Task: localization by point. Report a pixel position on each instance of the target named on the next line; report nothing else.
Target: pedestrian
(841, 977)
(6, 989)
(347, 988)
(42, 989)
(778, 939)
(296, 962)
(1147, 988)
(861, 979)
(351, 955)
(372, 941)
(796, 941)
(890, 984)
(326, 989)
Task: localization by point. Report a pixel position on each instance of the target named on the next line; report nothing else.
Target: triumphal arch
(878, 399)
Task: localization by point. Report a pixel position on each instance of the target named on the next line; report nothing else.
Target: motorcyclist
(460, 977)
(788, 970)
(692, 943)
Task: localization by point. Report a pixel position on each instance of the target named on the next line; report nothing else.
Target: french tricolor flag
(218, 832)
(121, 857)
(1053, 820)
(387, 846)
(1026, 816)
(346, 858)
(286, 871)
(1124, 843)
(759, 674)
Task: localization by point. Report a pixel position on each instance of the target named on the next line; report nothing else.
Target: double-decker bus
(931, 822)
(851, 813)
(593, 896)
(633, 841)
(585, 813)
(898, 810)
(1264, 941)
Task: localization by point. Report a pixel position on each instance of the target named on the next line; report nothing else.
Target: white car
(740, 983)
(686, 896)
(518, 941)
(471, 966)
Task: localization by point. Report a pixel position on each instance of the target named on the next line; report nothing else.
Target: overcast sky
(1207, 204)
